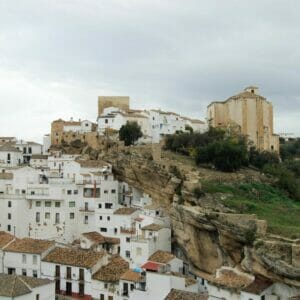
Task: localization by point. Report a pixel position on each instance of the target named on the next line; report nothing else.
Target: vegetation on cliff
(130, 133)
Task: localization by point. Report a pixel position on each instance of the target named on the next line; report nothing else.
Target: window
(24, 272)
(72, 204)
(110, 297)
(69, 272)
(103, 229)
(47, 215)
(37, 217)
(86, 219)
(34, 273)
(105, 285)
(29, 150)
(72, 215)
(105, 191)
(101, 296)
(57, 218)
(108, 218)
(48, 203)
(38, 203)
(34, 259)
(9, 216)
(69, 192)
(24, 150)
(81, 274)
(99, 205)
(37, 297)
(8, 227)
(9, 203)
(24, 258)
(128, 240)
(108, 205)
(75, 192)
(132, 287)
(57, 204)
(8, 158)
(127, 254)
(113, 191)
(106, 121)
(100, 218)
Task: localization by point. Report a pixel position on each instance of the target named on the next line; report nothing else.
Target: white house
(105, 283)
(39, 161)
(23, 257)
(72, 270)
(10, 156)
(5, 240)
(25, 288)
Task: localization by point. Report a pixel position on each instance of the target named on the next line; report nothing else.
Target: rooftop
(125, 211)
(153, 227)
(258, 286)
(9, 148)
(39, 156)
(92, 163)
(7, 176)
(5, 238)
(162, 257)
(130, 275)
(14, 285)
(98, 238)
(184, 295)
(74, 257)
(113, 270)
(28, 245)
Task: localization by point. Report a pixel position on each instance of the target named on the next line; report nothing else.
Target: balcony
(86, 209)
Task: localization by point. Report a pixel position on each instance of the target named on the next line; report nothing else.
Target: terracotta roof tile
(98, 238)
(28, 245)
(130, 275)
(184, 295)
(74, 257)
(113, 270)
(162, 257)
(125, 211)
(258, 286)
(6, 176)
(5, 238)
(153, 227)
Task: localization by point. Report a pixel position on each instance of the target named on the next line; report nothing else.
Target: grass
(267, 202)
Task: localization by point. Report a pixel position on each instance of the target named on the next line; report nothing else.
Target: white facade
(10, 156)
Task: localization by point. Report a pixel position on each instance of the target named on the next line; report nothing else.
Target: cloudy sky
(57, 56)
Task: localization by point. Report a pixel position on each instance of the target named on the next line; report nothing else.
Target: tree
(130, 133)
(261, 158)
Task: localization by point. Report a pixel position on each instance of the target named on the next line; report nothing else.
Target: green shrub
(130, 133)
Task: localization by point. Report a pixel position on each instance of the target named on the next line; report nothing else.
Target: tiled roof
(258, 286)
(184, 295)
(231, 280)
(7, 176)
(130, 275)
(39, 156)
(162, 257)
(91, 163)
(9, 148)
(28, 245)
(153, 227)
(125, 211)
(14, 285)
(98, 238)
(74, 257)
(113, 270)
(5, 238)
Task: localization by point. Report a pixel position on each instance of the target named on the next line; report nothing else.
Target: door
(69, 288)
(81, 289)
(125, 289)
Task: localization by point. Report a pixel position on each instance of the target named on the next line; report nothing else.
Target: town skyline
(180, 58)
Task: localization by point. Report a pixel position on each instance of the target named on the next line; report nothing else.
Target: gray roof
(9, 148)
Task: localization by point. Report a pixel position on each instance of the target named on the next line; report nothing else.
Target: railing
(86, 209)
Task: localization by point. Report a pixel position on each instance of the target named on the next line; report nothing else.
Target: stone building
(120, 102)
(250, 113)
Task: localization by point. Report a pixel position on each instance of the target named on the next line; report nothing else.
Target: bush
(261, 158)
(130, 133)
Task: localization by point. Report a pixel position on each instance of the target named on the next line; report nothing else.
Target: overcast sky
(56, 57)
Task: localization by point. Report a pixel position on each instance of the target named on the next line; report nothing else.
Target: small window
(8, 227)
(72, 204)
(9, 203)
(128, 240)
(24, 258)
(48, 203)
(75, 192)
(108, 218)
(105, 191)
(24, 272)
(99, 205)
(38, 203)
(69, 192)
(9, 216)
(127, 254)
(108, 205)
(47, 215)
(113, 191)
(57, 204)
(34, 273)
(86, 219)
(72, 215)
(103, 229)
(34, 259)
(100, 218)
